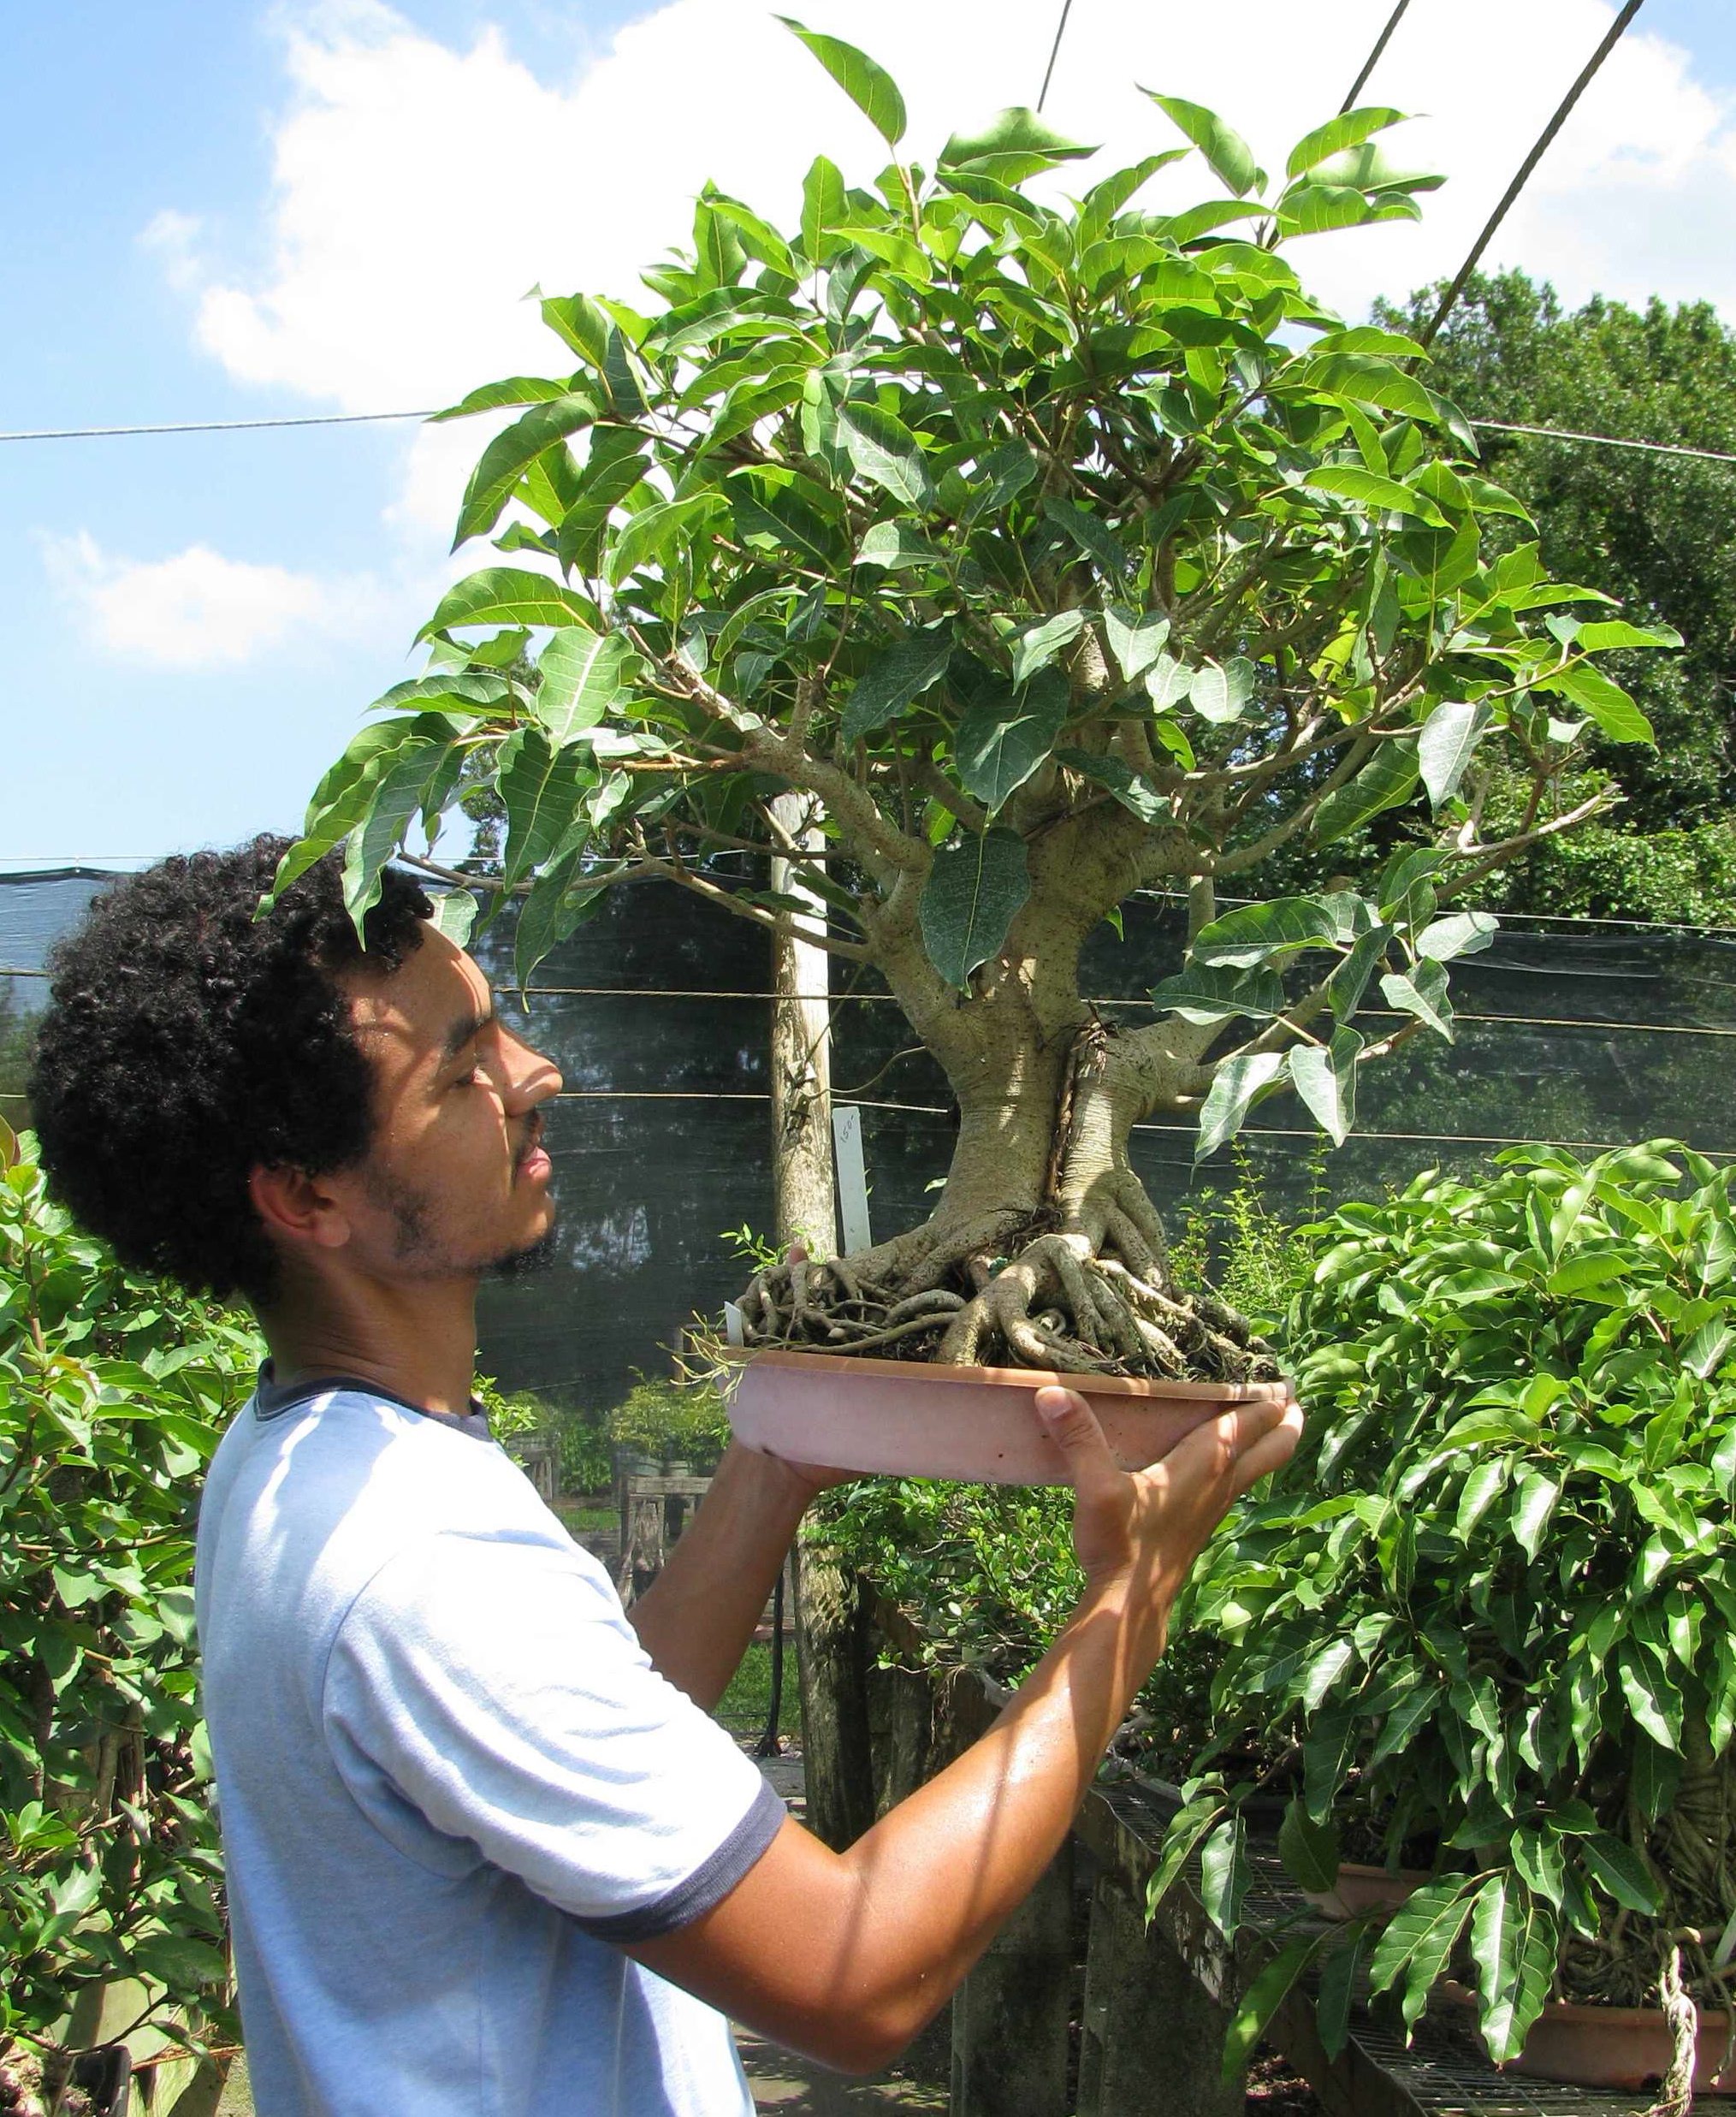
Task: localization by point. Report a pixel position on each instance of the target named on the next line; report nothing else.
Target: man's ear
(297, 1210)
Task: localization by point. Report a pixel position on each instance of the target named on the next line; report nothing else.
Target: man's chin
(520, 1264)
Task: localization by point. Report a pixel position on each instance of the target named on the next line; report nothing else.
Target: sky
(220, 210)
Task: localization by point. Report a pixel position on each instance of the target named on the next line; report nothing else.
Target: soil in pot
(912, 1419)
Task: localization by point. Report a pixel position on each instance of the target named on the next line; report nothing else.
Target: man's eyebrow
(464, 1031)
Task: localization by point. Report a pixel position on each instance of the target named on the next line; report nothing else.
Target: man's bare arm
(845, 1956)
(698, 1617)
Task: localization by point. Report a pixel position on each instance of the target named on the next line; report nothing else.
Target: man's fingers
(1271, 1449)
(1072, 1426)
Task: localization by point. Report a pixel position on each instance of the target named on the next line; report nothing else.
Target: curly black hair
(186, 1043)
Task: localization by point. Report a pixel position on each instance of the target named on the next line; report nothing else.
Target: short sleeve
(497, 1686)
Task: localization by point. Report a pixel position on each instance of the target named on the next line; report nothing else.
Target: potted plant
(1042, 552)
(1484, 1625)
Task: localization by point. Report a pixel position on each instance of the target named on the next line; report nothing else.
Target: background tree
(1656, 530)
(1050, 551)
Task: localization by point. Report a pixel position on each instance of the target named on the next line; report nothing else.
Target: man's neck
(417, 1343)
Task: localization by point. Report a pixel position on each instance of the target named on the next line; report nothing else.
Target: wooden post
(1153, 2037)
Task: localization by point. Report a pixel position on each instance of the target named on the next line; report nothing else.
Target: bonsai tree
(1045, 551)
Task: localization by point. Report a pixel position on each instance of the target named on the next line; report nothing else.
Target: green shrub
(113, 1391)
(1486, 1621)
(671, 1422)
(587, 1460)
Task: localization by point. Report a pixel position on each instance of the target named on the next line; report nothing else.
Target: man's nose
(531, 1075)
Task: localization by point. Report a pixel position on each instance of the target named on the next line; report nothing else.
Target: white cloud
(196, 609)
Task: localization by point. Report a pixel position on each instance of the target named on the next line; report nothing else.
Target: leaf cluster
(1492, 1607)
(112, 1393)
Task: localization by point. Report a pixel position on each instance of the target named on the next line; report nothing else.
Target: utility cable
(1054, 52)
(1587, 74)
(1373, 58)
(209, 426)
(1603, 441)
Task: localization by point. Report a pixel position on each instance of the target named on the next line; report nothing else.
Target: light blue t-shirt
(449, 1779)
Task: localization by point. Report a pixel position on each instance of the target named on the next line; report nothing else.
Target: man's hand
(1140, 1531)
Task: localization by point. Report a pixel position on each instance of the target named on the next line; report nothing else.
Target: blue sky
(244, 212)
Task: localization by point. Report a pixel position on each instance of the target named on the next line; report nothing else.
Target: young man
(485, 1850)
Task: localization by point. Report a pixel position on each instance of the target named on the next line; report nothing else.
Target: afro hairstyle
(187, 1042)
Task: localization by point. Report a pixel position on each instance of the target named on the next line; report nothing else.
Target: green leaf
(1422, 994)
(455, 914)
(1534, 1496)
(583, 676)
(1459, 934)
(894, 546)
(1348, 130)
(1134, 794)
(1657, 1712)
(1037, 647)
(824, 207)
(1386, 781)
(1612, 632)
(1222, 695)
(1092, 537)
(1229, 153)
(972, 894)
(506, 457)
(1308, 1850)
(1134, 639)
(1325, 1079)
(1187, 1827)
(1005, 737)
(1602, 700)
(1621, 1872)
(1255, 933)
(393, 798)
(505, 594)
(869, 87)
(895, 679)
(1514, 1940)
(1369, 489)
(1450, 736)
(1481, 1489)
(1221, 993)
(1338, 1973)
(1223, 1875)
(885, 451)
(1019, 131)
(1262, 1999)
(1234, 1086)
(1418, 1942)
(516, 389)
(541, 785)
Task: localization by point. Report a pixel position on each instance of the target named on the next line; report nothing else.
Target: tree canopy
(1051, 549)
(1655, 531)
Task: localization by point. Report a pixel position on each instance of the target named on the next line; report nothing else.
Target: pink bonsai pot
(908, 1419)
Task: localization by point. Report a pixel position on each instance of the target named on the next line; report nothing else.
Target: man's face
(456, 1183)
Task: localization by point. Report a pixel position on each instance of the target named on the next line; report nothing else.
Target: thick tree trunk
(801, 1180)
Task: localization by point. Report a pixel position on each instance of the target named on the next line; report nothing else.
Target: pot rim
(1573, 2012)
(1014, 1378)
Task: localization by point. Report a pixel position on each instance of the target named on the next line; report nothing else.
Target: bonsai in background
(1047, 553)
(667, 1420)
(1486, 1623)
(112, 1393)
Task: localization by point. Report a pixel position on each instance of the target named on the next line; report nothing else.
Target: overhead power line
(1603, 441)
(1054, 52)
(209, 426)
(1373, 58)
(1587, 74)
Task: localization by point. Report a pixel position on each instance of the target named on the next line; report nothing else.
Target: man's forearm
(698, 1617)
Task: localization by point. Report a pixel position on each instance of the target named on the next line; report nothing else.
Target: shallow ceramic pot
(906, 1418)
(1611, 2046)
(1360, 1889)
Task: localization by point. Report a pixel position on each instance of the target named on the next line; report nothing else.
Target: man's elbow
(866, 2040)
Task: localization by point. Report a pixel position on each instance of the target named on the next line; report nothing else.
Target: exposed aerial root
(1073, 1299)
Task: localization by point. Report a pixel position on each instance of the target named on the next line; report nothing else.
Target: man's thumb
(1072, 1426)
